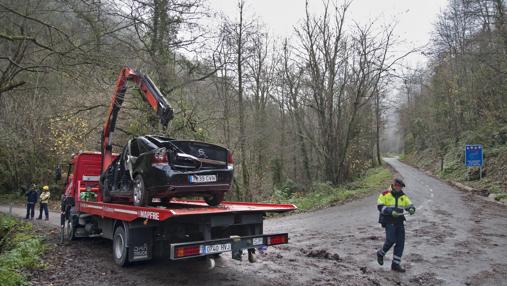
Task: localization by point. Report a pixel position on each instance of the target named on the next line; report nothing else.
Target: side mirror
(58, 173)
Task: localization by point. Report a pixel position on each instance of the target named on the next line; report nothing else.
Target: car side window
(145, 146)
(134, 148)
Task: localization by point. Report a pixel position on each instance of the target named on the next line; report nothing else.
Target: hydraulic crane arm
(150, 93)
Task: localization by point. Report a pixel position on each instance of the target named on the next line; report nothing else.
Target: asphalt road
(453, 239)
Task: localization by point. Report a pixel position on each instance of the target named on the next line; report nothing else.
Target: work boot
(396, 267)
(39, 218)
(380, 259)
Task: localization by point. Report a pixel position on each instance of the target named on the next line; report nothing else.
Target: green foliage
(287, 190)
(20, 250)
(277, 172)
(324, 194)
(501, 197)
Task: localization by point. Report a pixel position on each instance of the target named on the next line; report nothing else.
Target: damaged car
(154, 169)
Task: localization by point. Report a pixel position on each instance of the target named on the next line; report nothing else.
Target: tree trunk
(242, 135)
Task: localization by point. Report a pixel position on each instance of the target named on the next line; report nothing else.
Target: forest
(461, 96)
(295, 111)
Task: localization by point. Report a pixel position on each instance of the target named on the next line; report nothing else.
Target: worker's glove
(411, 210)
(395, 214)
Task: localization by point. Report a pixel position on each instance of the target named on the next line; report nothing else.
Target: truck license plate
(202, 178)
(218, 248)
(257, 241)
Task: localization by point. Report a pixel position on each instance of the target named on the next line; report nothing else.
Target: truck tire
(139, 195)
(214, 199)
(120, 250)
(70, 230)
(106, 193)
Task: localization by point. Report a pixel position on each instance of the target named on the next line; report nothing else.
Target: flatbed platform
(176, 208)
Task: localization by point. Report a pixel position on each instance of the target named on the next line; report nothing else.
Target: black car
(154, 169)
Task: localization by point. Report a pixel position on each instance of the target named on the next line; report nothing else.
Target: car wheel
(120, 250)
(214, 199)
(140, 196)
(106, 192)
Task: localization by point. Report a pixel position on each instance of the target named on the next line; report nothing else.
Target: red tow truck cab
(83, 173)
(181, 229)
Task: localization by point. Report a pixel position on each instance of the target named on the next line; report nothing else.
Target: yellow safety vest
(387, 199)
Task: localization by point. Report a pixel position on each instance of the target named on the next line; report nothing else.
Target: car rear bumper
(187, 190)
(166, 182)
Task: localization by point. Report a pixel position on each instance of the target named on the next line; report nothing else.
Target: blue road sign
(473, 155)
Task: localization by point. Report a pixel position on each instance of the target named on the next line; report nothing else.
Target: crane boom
(150, 93)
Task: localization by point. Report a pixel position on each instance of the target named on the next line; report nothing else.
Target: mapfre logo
(149, 215)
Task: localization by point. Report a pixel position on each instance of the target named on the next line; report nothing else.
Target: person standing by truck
(44, 200)
(391, 205)
(31, 200)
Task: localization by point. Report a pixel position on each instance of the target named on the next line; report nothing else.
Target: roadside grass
(20, 250)
(494, 178)
(322, 195)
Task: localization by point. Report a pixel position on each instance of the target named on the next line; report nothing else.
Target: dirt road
(453, 239)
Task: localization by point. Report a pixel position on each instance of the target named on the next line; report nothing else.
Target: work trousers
(395, 235)
(43, 207)
(30, 210)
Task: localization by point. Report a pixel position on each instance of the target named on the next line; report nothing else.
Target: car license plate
(202, 179)
(218, 248)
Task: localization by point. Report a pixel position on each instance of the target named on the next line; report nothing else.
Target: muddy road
(453, 239)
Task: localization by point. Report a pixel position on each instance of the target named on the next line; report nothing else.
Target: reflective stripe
(396, 262)
(381, 252)
(383, 209)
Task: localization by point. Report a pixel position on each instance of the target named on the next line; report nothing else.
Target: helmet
(45, 188)
(398, 181)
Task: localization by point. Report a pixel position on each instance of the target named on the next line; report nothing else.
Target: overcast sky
(415, 18)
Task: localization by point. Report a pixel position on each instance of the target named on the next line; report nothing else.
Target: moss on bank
(20, 250)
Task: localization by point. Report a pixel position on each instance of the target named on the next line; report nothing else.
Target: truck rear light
(277, 239)
(184, 251)
(230, 160)
(159, 158)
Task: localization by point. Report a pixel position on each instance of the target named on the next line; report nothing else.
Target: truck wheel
(214, 199)
(70, 230)
(120, 250)
(106, 193)
(140, 196)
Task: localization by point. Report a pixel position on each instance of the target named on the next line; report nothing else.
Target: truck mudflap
(234, 244)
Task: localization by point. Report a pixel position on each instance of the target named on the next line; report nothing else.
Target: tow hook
(252, 257)
(210, 263)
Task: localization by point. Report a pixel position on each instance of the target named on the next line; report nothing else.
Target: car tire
(120, 250)
(106, 192)
(214, 199)
(139, 195)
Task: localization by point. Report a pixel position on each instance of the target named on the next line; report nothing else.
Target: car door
(131, 158)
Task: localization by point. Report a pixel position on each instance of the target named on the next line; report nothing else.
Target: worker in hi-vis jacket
(391, 205)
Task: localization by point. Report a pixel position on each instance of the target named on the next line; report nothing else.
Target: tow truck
(176, 230)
